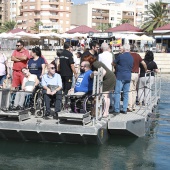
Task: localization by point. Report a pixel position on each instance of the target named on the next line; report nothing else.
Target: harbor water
(151, 152)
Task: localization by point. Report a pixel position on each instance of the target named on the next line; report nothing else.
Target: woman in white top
(4, 69)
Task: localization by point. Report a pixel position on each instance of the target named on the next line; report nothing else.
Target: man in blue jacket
(124, 65)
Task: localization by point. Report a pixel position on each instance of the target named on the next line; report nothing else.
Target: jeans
(121, 85)
(20, 98)
(57, 101)
(111, 95)
(2, 78)
(67, 82)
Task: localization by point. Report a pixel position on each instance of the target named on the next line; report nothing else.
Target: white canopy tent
(25, 35)
(146, 38)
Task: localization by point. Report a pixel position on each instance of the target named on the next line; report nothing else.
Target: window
(112, 18)
(32, 7)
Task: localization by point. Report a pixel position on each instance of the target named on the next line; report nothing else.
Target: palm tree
(7, 26)
(123, 21)
(55, 30)
(104, 26)
(36, 26)
(156, 17)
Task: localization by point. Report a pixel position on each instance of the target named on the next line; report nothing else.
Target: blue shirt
(35, 67)
(124, 65)
(54, 80)
(84, 82)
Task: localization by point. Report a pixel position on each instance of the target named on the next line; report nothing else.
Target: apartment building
(97, 12)
(9, 9)
(54, 14)
(139, 8)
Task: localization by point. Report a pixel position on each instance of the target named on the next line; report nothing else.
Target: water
(119, 153)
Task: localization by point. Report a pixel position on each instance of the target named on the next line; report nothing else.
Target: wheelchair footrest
(21, 115)
(77, 117)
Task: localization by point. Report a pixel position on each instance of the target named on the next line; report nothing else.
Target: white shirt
(3, 59)
(30, 82)
(107, 59)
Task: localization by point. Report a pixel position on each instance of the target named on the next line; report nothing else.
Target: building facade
(97, 13)
(9, 9)
(54, 14)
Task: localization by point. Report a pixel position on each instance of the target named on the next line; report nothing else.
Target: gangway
(138, 121)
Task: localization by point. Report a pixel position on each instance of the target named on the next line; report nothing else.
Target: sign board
(49, 27)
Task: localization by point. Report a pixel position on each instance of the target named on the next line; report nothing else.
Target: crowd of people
(126, 72)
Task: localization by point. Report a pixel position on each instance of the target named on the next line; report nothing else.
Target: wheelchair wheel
(90, 105)
(39, 113)
(38, 100)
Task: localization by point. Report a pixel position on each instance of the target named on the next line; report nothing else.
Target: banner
(117, 42)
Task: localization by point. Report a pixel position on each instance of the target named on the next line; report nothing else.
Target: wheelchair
(32, 101)
(84, 103)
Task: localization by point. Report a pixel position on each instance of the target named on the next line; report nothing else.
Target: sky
(82, 1)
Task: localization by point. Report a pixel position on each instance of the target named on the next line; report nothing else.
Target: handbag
(52, 87)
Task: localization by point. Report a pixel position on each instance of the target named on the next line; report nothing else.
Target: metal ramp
(19, 115)
(5, 99)
(82, 118)
(137, 123)
(131, 122)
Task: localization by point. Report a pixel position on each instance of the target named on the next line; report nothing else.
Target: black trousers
(67, 82)
(57, 98)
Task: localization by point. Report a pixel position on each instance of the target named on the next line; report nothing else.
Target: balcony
(53, 16)
(37, 17)
(53, 2)
(100, 21)
(100, 14)
(124, 16)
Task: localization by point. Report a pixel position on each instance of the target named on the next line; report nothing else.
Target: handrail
(154, 89)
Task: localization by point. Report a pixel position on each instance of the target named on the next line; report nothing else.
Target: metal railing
(152, 89)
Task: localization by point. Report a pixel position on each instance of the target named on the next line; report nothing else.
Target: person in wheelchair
(84, 81)
(83, 87)
(30, 81)
(52, 85)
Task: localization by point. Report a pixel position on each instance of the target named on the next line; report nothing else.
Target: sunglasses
(18, 45)
(52, 68)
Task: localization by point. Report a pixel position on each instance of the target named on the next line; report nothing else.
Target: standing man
(20, 57)
(124, 64)
(134, 80)
(94, 50)
(106, 57)
(67, 68)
